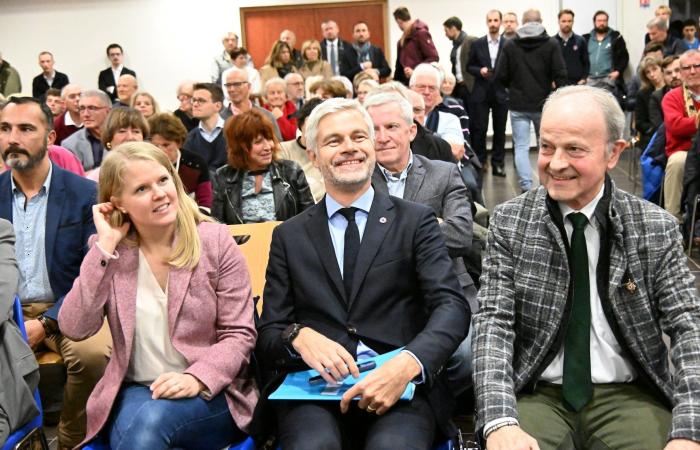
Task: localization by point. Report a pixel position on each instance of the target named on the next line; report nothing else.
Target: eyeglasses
(692, 66)
(199, 100)
(236, 85)
(183, 97)
(90, 108)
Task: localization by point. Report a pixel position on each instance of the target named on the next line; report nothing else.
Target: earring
(109, 146)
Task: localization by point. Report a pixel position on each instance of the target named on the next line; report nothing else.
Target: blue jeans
(139, 422)
(520, 124)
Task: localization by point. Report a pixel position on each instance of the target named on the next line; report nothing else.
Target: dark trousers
(479, 115)
(321, 426)
(461, 92)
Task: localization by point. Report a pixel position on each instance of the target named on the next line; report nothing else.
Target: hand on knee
(511, 438)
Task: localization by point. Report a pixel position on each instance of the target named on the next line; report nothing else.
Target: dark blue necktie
(352, 248)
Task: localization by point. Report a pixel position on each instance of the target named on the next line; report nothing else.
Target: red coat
(680, 129)
(418, 47)
(287, 124)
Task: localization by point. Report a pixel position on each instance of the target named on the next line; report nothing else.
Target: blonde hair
(188, 247)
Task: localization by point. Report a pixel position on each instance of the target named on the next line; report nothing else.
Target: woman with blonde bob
(175, 290)
(146, 103)
(312, 62)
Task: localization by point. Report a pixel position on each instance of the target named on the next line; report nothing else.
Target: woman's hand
(172, 385)
(108, 236)
(277, 112)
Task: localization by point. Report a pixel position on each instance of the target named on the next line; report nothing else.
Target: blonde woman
(312, 62)
(146, 103)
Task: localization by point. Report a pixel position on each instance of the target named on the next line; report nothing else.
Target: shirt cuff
(496, 422)
(105, 254)
(421, 379)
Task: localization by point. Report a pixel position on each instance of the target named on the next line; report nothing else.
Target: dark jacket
(106, 79)
(289, 189)
(656, 113)
(351, 66)
(478, 58)
(418, 47)
(642, 121)
(575, 52)
(40, 86)
(620, 55)
(528, 65)
(430, 145)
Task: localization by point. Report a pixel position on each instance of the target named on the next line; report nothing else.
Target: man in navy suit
(333, 48)
(356, 275)
(51, 213)
(488, 94)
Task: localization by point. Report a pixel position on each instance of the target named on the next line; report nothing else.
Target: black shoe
(498, 171)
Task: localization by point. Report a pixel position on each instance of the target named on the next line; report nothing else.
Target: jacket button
(103, 263)
(352, 330)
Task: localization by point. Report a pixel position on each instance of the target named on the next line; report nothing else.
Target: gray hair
(689, 53)
(104, 98)
(333, 106)
(658, 23)
(612, 113)
(274, 80)
(68, 87)
(234, 69)
(394, 86)
(382, 98)
(291, 75)
(426, 69)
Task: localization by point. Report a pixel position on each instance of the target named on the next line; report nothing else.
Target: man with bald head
(107, 80)
(126, 87)
(69, 122)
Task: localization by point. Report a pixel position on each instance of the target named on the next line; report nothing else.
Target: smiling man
(337, 291)
(579, 281)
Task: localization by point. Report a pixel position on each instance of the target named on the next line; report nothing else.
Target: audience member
(326, 89)
(311, 62)
(664, 12)
(488, 95)
(362, 56)
(207, 139)
(108, 78)
(568, 341)
(531, 65)
(184, 111)
(295, 89)
(69, 122)
(278, 63)
(510, 25)
(313, 277)
(65, 159)
(349, 88)
(283, 110)
(295, 150)
(48, 78)
(426, 143)
(168, 134)
(10, 82)
(53, 101)
(573, 48)
(144, 102)
(240, 59)
(671, 67)
(690, 29)
(333, 48)
(186, 336)
(224, 60)
(653, 50)
(256, 186)
(238, 88)
(19, 372)
(50, 209)
(126, 88)
(94, 106)
(290, 38)
(459, 58)
(363, 88)
(658, 32)
(680, 108)
(415, 45)
(607, 55)
(652, 79)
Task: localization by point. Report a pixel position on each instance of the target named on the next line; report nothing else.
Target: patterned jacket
(645, 288)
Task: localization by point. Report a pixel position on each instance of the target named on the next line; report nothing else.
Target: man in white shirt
(580, 280)
(333, 48)
(107, 80)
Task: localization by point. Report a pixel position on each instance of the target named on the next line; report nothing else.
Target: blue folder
(296, 385)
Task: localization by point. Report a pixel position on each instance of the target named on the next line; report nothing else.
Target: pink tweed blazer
(210, 317)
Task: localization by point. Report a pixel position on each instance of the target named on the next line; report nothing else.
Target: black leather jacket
(289, 189)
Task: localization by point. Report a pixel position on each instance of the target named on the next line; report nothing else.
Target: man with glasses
(295, 89)
(184, 112)
(207, 139)
(107, 80)
(680, 107)
(85, 143)
(238, 88)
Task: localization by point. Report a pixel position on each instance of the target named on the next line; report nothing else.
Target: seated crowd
(114, 238)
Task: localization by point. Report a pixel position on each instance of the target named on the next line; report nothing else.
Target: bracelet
(50, 326)
(510, 423)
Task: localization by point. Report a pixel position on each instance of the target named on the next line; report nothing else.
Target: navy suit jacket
(68, 226)
(478, 58)
(376, 55)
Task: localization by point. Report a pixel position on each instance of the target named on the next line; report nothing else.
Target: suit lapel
(178, 282)
(381, 218)
(125, 284)
(378, 181)
(414, 181)
(317, 229)
(57, 197)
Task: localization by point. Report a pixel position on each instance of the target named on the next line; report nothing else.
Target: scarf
(362, 51)
(690, 108)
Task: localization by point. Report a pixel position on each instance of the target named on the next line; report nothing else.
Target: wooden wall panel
(261, 26)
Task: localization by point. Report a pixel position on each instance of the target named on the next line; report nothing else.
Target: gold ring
(370, 409)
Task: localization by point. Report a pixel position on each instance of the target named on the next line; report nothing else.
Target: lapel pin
(382, 220)
(630, 286)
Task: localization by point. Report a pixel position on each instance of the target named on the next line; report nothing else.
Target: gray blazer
(19, 371)
(80, 146)
(437, 184)
(648, 289)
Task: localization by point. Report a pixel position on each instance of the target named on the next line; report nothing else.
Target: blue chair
(32, 429)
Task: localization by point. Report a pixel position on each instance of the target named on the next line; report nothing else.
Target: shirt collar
(587, 210)
(493, 41)
(45, 186)
(51, 76)
(68, 120)
(404, 173)
(363, 202)
(219, 124)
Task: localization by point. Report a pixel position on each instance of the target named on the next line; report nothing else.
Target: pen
(362, 367)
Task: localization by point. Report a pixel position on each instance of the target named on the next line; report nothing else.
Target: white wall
(167, 41)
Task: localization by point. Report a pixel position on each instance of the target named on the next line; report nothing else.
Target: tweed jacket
(210, 318)
(647, 289)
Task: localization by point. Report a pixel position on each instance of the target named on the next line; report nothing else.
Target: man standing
(680, 107)
(459, 58)
(94, 106)
(363, 56)
(336, 293)
(333, 48)
(510, 24)
(488, 94)
(207, 139)
(51, 211)
(238, 88)
(414, 47)
(69, 122)
(224, 61)
(574, 49)
(48, 78)
(580, 281)
(107, 81)
(126, 87)
(657, 28)
(295, 88)
(10, 82)
(607, 54)
(529, 67)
